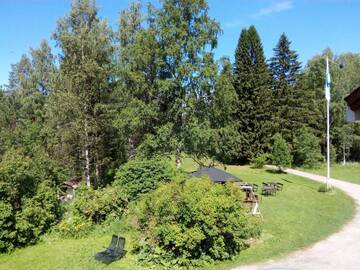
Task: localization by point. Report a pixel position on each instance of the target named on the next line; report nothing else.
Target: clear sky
(311, 25)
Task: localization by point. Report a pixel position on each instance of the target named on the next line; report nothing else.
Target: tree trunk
(178, 159)
(344, 156)
(87, 157)
(97, 180)
(132, 148)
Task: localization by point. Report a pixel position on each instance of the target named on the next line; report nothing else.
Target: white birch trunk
(87, 157)
(178, 160)
(132, 148)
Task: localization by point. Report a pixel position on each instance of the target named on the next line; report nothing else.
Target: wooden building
(353, 103)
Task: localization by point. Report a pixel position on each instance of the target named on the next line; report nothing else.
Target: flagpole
(328, 97)
(328, 143)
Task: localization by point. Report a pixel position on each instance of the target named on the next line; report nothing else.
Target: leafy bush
(7, 225)
(73, 226)
(141, 176)
(259, 161)
(306, 148)
(96, 205)
(187, 222)
(38, 214)
(29, 205)
(280, 155)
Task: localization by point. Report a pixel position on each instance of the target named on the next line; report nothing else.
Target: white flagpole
(327, 95)
(328, 143)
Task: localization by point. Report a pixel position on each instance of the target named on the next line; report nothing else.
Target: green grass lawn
(349, 172)
(297, 217)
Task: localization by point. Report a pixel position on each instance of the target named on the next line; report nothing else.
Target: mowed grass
(349, 172)
(297, 217)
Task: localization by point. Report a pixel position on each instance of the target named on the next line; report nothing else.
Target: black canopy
(216, 175)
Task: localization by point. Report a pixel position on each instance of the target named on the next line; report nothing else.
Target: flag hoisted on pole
(327, 96)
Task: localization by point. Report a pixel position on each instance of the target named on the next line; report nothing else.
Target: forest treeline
(152, 87)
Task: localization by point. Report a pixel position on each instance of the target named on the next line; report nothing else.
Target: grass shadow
(275, 171)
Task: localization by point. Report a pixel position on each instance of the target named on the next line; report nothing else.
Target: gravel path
(337, 252)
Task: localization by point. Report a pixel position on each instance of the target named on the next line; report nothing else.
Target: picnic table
(248, 186)
(270, 188)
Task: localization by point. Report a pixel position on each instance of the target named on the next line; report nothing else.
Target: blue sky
(311, 25)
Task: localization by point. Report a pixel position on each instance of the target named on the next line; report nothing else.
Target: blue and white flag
(327, 81)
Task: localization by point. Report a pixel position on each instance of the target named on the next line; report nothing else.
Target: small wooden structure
(251, 198)
(69, 188)
(353, 103)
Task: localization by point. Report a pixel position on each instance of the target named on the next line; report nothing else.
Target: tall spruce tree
(252, 83)
(292, 102)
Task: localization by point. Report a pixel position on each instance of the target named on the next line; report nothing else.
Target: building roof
(73, 183)
(216, 175)
(353, 100)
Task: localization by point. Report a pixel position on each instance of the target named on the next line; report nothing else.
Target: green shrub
(73, 226)
(38, 214)
(96, 205)
(141, 176)
(280, 155)
(306, 149)
(28, 195)
(187, 222)
(259, 161)
(7, 227)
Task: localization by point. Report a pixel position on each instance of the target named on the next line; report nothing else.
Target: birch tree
(83, 86)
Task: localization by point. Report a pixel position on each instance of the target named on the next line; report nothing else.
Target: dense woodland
(153, 88)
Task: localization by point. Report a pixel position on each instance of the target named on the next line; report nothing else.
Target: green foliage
(203, 222)
(7, 224)
(28, 193)
(252, 83)
(344, 69)
(80, 121)
(280, 155)
(141, 176)
(38, 214)
(259, 161)
(293, 103)
(90, 207)
(97, 205)
(73, 226)
(306, 149)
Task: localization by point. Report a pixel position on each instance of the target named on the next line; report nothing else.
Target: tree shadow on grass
(275, 171)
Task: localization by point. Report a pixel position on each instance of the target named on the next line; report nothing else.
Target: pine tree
(252, 83)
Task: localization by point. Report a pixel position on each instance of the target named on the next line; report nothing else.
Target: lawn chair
(114, 252)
